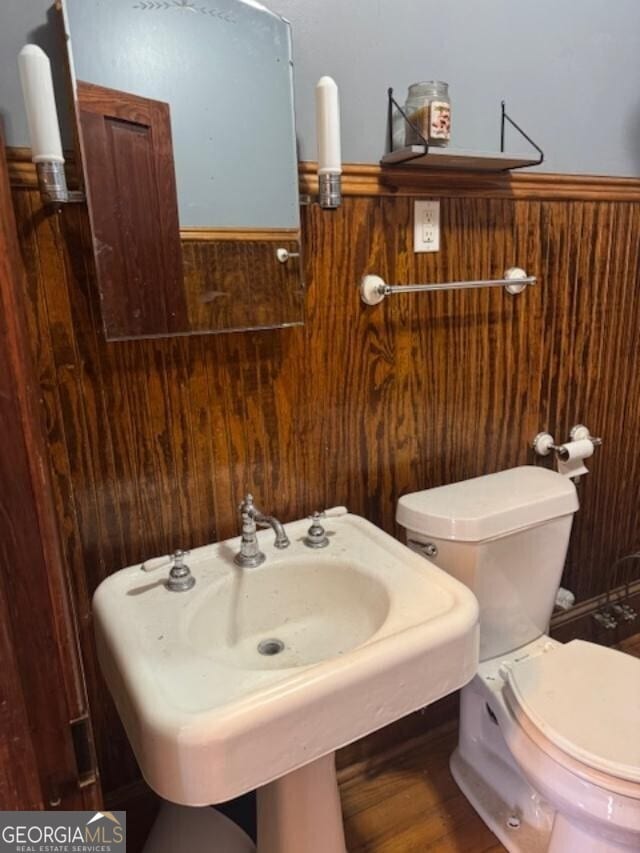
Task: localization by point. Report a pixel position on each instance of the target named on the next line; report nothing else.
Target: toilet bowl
(533, 759)
(549, 744)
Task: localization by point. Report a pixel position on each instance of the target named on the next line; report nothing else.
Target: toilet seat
(584, 700)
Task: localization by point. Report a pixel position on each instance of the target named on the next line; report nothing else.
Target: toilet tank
(505, 536)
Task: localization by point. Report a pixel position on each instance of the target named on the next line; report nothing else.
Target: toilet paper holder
(544, 443)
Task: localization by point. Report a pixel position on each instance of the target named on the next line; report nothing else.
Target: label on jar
(440, 120)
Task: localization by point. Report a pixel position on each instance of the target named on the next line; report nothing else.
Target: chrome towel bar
(374, 289)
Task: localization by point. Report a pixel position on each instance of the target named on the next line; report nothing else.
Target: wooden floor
(408, 802)
(631, 645)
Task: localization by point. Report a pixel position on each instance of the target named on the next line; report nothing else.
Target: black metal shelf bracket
(505, 119)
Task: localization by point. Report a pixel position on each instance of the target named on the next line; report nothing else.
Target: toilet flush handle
(505, 669)
(429, 549)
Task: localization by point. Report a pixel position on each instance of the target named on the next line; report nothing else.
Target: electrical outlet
(426, 226)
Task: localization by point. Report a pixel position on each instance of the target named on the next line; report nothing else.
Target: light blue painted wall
(569, 70)
(188, 61)
(23, 21)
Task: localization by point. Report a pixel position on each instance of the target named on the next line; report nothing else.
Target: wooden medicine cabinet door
(186, 128)
(131, 190)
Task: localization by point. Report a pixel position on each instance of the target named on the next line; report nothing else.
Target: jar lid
(428, 87)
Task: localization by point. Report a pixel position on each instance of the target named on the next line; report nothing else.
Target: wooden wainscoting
(232, 277)
(47, 759)
(240, 284)
(153, 443)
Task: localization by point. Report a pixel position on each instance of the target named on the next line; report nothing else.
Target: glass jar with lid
(428, 107)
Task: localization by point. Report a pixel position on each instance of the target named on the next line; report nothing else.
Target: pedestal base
(197, 830)
(302, 811)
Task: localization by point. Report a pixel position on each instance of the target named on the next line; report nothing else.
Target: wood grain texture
(366, 179)
(153, 443)
(408, 802)
(20, 786)
(275, 235)
(42, 687)
(232, 284)
(133, 203)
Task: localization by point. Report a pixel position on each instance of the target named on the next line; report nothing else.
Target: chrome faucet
(249, 556)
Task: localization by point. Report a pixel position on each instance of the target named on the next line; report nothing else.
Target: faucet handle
(332, 512)
(247, 505)
(178, 557)
(180, 577)
(335, 512)
(154, 563)
(316, 535)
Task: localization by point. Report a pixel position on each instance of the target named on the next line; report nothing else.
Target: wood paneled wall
(153, 443)
(46, 750)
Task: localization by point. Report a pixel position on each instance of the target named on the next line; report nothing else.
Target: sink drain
(270, 647)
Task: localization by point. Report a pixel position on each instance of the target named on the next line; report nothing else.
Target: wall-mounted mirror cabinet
(185, 120)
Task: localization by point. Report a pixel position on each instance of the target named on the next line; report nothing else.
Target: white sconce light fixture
(44, 130)
(329, 155)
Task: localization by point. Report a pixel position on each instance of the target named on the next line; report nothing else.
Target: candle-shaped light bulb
(328, 126)
(40, 105)
(328, 131)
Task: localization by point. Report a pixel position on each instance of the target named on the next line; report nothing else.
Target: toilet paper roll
(571, 460)
(580, 449)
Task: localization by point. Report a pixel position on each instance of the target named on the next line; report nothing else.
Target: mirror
(185, 121)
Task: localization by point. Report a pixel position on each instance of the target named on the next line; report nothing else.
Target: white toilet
(549, 747)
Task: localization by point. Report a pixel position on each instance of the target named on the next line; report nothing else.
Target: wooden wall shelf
(423, 156)
(417, 156)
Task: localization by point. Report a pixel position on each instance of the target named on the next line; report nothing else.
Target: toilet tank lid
(490, 506)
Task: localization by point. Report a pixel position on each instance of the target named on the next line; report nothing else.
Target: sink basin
(256, 672)
(304, 611)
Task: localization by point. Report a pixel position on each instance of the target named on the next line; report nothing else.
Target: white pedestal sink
(254, 677)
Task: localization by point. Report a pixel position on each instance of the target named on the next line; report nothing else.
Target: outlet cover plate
(426, 226)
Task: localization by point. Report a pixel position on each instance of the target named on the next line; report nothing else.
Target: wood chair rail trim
(367, 179)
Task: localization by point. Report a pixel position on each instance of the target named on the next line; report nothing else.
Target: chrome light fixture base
(329, 190)
(52, 183)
